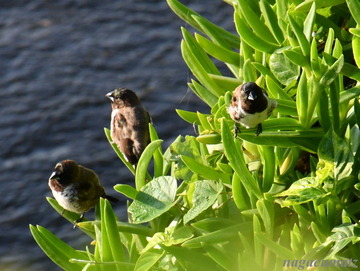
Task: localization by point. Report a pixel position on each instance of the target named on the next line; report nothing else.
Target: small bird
(76, 188)
(129, 123)
(250, 106)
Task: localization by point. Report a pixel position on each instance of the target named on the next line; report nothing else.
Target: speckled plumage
(129, 123)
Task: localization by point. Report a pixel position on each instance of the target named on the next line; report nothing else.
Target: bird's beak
(252, 96)
(54, 175)
(110, 96)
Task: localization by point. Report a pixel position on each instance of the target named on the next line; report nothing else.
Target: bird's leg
(78, 220)
(258, 130)
(236, 130)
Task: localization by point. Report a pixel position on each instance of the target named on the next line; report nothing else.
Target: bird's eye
(234, 99)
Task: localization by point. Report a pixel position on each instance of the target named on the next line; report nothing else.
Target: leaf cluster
(267, 202)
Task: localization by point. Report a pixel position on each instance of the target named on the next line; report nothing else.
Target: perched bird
(250, 106)
(129, 123)
(76, 188)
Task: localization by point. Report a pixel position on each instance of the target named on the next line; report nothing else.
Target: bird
(250, 106)
(76, 188)
(129, 124)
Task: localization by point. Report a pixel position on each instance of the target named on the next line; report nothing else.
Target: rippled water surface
(57, 61)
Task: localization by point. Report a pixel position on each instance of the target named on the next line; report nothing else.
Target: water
(57, 61)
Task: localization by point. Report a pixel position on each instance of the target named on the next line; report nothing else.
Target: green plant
(285, 199)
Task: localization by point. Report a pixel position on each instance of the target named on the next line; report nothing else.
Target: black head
(251, 97)
(123, 97)
(65, 172)
(252, 91)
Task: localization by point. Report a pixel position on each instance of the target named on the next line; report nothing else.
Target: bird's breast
(68, 199)
(252, 120)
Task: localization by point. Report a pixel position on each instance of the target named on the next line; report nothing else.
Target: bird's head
(65, 172)
(251, 91)
(123, 97)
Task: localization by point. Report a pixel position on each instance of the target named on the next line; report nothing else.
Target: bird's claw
(258, 130)
(78, 220)
(236, 130)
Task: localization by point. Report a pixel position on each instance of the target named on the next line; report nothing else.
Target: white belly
(252, 120)
(66, 201)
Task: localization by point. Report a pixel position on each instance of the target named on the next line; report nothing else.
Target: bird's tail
(110, 198)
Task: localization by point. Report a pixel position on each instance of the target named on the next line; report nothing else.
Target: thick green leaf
(335, 151)
(283, 69)
(227, 83)
(275, 91)
(205, 194)
(221, 53)
(347, 69)
(249, 72)
(251, 38)
(209, 138)
(203, 93)
(264, 71)
(121, 226)
(355, 32)
(302, 191)
(303, 42)
(191, 259)
(199, 53)
(153, 199)
(188, 116)
(296, 57)
(349, 94)
(198, 69)
(221, 256)
(208, 28)
(109, 218)
(308, 140)
(142, 166)
(343, 235)
(307, 4)
(356, 49)
(329, 41)
(204, 170)
(309, 22)
(314, 59)
(332, 72)
(173, 235)
(267, 213)
(187, 146)
(354, 7)
(222, 235)
(126, 190)
(211, 224)
(271, 21)
(234, 153)
(253, 19)
(286, 107)
(147, 260)
(158, 154)
(187, 15)
(204, 121)
(302, 100)
(276, 248)
(58, 251)
(70, 216)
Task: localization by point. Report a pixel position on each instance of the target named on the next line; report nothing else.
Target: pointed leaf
(205, 194)
(153, 199)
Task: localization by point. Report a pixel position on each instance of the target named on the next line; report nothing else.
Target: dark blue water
(57, 61)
